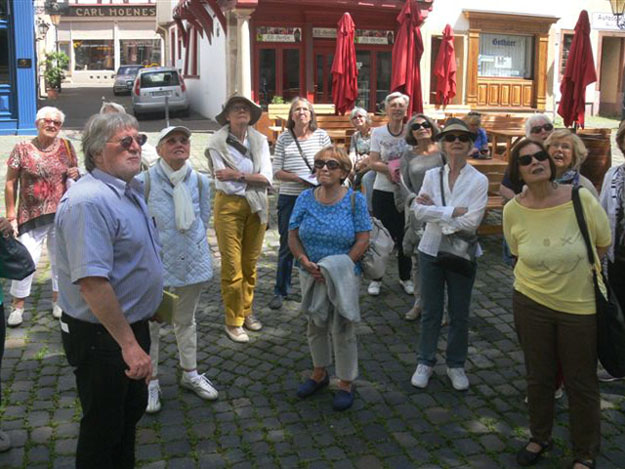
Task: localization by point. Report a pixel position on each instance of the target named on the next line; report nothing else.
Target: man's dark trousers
(112, 403)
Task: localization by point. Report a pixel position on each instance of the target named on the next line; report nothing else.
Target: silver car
(151, 88)
(125, 78)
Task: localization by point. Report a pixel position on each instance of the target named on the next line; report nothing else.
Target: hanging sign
(278, 34)
(374, 36)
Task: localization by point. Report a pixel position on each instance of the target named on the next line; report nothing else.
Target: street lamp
(618, 6)
(55, 19)
(42, 29)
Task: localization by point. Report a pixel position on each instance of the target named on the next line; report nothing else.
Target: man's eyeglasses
(538, 128)
(452, 138)
(331, 164)
(527, 159)
(126, 142)
(53, 122)
(418, 125)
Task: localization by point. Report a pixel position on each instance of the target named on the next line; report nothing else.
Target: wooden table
(507, 136)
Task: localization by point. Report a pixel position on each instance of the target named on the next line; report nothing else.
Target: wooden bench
(341, 128)
(494, 170)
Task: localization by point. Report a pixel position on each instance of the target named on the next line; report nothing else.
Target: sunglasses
(452, 138)
(418, 125)
(537, 128)
(52, 121)
(527, 159)
(126, 142)
(331, 164)
(181, 140)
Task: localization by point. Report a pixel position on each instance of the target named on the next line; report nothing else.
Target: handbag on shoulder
(15, 260)
(610, 320)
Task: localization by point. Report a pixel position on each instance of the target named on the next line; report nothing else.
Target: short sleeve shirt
(390, 148)
(326, 230)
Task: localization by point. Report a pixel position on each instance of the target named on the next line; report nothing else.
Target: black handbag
(15, 260)
(457, 250)
(610, 320)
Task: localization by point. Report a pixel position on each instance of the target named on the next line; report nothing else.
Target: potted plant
(56, 64)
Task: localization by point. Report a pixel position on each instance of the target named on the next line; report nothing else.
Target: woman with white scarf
(173, 188)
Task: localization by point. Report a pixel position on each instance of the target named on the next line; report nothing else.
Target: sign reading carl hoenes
(119, 11)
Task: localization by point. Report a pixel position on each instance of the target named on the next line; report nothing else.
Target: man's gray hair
(99, 129)
(110, 107)
(396, 95)
(533, 120)
(51, 112)
(358, 111)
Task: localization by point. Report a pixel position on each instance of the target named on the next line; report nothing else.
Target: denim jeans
(433, 281)
(3, 331)
(285, 258)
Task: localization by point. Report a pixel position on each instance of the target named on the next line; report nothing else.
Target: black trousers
(3, 332)
(112, 403)
(384, 210)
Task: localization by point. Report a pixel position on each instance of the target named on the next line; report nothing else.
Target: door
(7, 94)
(323, 75)
(278, 73)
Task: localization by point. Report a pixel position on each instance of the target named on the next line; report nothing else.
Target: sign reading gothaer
(119, 11)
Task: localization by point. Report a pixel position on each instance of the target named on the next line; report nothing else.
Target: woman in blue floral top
(328, 234)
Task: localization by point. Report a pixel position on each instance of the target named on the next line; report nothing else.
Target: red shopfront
(294, 43)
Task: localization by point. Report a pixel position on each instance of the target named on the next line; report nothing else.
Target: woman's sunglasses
(331, 164)
(452, 138)
(126, 142)
(527, 159)
(538, 128)
(419, 125)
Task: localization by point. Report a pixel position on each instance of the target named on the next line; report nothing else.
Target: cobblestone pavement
(257, 420)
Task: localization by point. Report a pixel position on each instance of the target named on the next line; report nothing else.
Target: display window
(506, 56)
(94, 54)
(140, 51)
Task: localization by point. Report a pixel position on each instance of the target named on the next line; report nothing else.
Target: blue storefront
(18, 100)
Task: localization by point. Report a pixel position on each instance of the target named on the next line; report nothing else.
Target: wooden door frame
(279, 47)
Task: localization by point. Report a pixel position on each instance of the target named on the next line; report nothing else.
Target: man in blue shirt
(110, 284)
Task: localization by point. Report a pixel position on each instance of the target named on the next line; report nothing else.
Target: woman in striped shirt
(293, 161)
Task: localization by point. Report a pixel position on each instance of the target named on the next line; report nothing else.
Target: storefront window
(290, 76)
(363, 63)
(140, 52)
(4, 57)
(64, 47)
(94, 55)
(267, 76)
(323, 79)
(567, 40)
(383, 86)
(506, 55)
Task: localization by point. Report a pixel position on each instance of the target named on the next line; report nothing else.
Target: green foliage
(277, 100)
(56, 63)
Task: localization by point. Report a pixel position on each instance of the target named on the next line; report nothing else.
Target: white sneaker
(408, 286)
(15, 318)
(200, 385)
(374, 288)
(154, 399)
(458, 378)
(413, 313)
(559, 393)
(56, 310)
(421, 376)
(252, 324)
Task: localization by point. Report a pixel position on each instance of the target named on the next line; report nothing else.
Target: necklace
(388, 127)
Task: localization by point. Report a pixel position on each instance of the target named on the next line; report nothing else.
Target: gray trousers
(344, 343)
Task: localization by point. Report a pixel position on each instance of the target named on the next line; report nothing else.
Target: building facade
(17, 68)
(509, 58)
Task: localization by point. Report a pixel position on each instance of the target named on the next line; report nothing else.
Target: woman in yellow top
(554, 301)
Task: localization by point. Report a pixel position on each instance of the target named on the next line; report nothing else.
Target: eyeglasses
(449, 138)
(126, 142)
(418, 125)
(538, 128)
(52, 121)
(331, 164)
(525, 160)
(239, 107)
(174, 140)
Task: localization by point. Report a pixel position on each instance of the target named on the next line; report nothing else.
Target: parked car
(153, 85)
(125, 78)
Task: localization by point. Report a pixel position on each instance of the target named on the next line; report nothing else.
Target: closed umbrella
(344, 71)
(579, 73)
(407, 52)
(445, 68)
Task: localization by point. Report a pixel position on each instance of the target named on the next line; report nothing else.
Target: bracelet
(242, 177)
(300, 257)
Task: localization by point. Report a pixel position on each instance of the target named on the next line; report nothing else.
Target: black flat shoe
(525, 457)
(310, 386)
(589, 463)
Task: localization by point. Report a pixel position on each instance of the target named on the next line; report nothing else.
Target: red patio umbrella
(579, 73)
(344, 71)
(445, 68)
(407, 52)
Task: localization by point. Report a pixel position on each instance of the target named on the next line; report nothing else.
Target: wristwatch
(241, 177)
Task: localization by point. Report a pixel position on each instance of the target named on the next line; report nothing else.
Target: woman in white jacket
(178, 199)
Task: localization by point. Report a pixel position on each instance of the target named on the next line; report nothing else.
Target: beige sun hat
(255, 109)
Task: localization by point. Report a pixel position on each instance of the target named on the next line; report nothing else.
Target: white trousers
(33, 240)
(184, 328)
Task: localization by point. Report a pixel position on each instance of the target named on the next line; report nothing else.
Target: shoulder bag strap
(146, 186)
(299, 148)
(442, 186)
(581, 222)
(72, 159)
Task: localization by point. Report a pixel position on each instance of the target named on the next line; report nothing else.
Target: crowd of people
(128, 250)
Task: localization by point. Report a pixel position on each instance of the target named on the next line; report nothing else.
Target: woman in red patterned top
(41, 167)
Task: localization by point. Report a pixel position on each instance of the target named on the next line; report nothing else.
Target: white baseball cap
(167, 131)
